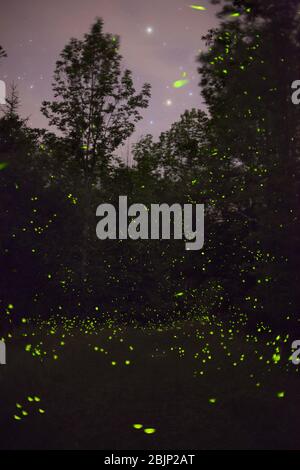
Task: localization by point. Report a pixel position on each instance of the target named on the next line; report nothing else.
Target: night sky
(160, 40)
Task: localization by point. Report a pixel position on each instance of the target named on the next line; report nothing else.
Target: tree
(13, 129)
(96, 108)
(183, 166)
(12, 102)
(96, 105)
(246, 83)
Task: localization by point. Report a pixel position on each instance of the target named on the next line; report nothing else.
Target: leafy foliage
(240, 158)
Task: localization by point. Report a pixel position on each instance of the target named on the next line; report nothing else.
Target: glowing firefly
(197, 7)
(149, 430)
(180, 83)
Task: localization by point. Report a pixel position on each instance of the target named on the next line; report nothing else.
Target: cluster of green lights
(24, 410)
(146, 430)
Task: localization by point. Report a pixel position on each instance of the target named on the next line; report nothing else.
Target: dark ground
(199, 386)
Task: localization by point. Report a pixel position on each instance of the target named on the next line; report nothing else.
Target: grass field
(195, 385)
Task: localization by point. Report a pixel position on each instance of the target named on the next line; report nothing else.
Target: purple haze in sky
(160, 40)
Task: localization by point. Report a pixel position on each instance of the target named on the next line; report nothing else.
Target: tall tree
(12, 102)
(247, 86)
(96, 107)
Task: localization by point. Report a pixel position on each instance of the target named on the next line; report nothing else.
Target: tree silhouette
(12, 102)
(246, 83)
(95, 107)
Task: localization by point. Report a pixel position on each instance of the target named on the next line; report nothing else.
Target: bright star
(149, 30)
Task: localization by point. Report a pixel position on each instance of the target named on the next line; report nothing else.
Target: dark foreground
(196, 386)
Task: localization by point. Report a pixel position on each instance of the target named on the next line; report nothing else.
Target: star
(169, 102)
(149, 30)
